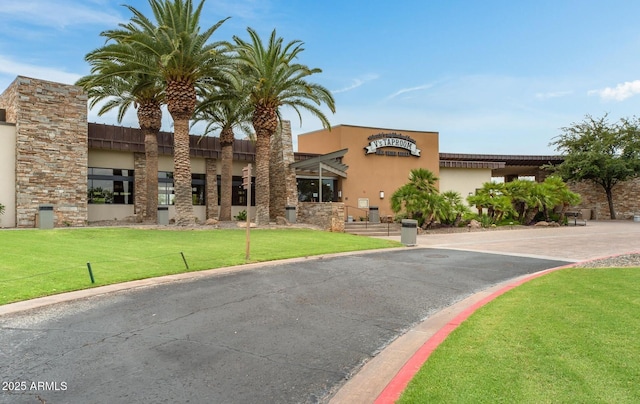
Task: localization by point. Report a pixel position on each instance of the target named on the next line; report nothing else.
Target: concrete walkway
(579, 243)
(598, 239)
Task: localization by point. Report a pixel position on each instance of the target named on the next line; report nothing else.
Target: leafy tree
(598, 151)
(174, 49)
(274, 80)
(111, 82)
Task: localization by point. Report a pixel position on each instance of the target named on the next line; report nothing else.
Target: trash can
(409, 232)
(374, 214)
(290, 214)
(45, 216)
(163, 215)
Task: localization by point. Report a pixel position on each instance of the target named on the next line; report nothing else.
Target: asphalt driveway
(285, 333)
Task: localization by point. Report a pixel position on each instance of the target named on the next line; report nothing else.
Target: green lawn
(572, 336)
(37, 263)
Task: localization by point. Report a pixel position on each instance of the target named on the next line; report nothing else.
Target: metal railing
(366, 214)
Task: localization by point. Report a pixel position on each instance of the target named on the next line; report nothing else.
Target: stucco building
(87, 172)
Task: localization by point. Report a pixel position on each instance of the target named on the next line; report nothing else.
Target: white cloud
(553, 94)
(620, 93)
(12, 68)
(355, 83)
(411, 89)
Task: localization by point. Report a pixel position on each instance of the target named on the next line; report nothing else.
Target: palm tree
(225, 108)
(454, 208)
(275, 80)
(419, 198)
(519, 191)
(493, 198)
(174, 50)
(145, 94)
(562, 195)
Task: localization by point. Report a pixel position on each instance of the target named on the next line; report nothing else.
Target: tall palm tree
(146, 95)
(225, 108)
(275, 80)
(175, 50)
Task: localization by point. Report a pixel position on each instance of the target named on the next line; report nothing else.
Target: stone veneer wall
(212, 188)
(140, 185)
(328, 215)
(626, 199)
(282, 178)
(51, 149)
(8, 101)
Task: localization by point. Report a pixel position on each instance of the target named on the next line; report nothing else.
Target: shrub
(241, 216)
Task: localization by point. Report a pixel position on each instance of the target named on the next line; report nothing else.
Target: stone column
(282, 178)
(212, 188)
(140, 186)
(51, 150)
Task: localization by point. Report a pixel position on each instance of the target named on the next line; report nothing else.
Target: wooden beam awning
(330, 162)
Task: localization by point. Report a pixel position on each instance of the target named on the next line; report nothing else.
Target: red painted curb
(397, 385)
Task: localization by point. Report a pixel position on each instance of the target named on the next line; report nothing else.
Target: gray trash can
(290, 214)
(45, 216)
(409, 232)
(374, 214)
(163, 215)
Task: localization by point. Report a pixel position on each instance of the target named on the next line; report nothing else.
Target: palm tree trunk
(226, 176)
(181, 102)
(265, 123)
(182, 173)
(151, 175)
(263, 152)
(150, 121)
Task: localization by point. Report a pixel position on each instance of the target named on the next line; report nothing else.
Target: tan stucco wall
(463, 180)
(110, 159)
(8, 174)
(124, 160)
(368, 174)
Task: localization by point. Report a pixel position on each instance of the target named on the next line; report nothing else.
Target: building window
(239, 194)
(166, 191)
(308, 190)
(110, 185)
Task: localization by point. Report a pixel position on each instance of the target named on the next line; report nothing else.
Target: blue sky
(494, 77)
